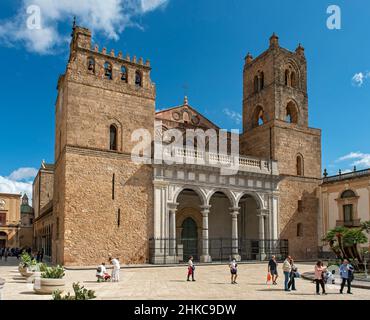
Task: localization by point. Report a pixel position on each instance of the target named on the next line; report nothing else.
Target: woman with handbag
(320, 271)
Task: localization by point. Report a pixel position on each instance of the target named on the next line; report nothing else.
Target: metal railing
(344, 176)
(172, 251)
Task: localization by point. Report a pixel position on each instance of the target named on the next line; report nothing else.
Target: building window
(138, 79)
(348, 212)
(258, 117)
(124, 74)
(300, 205)
(259, 82)
(113, 138)
(255, 84)
(2, 219)
(293, 80)
(300, 168)
(31, 221)
(299, 230)
(262, 81)
(91, 64)
(348, 194)
(291, 113)
(108, 71)
(287, 77)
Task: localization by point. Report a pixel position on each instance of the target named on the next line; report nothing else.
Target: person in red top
(319, 277)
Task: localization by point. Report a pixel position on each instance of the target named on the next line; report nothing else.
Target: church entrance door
(189, 238)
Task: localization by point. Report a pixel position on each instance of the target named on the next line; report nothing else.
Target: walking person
(320, 271)
(191, 269)
(272, 269)
(1, 253)
(42, 254)
(293, 274)
(346, 273)
(116, 269)
(287, 268)
(6, 253)
(234, 271)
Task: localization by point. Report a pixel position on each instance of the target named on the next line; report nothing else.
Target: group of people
(103, 275)
(322, 275)
(7, 252)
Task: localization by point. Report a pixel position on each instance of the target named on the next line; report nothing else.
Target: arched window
(299, 230)
(91, 64)
(300, 165)
(262, 81)
(113, 138)
(258, 117)
(291, 113)
(348, 194)
(124, 73)
(287, 77)
(108, 71)
(255, 84)
(293, 80)
(138, 79)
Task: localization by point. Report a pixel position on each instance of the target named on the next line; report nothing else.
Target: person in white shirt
(100, 272)
(191, 269)
(116, 269)
(234, 271)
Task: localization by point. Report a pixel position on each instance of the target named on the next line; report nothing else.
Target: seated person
(101, 273)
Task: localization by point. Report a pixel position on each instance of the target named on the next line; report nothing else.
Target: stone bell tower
(103, 201)
(275, 126)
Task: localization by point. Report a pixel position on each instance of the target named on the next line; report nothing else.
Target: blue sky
(199, 45)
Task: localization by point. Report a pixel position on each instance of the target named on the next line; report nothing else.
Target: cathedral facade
(100, 202)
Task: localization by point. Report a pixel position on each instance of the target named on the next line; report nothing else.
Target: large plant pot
(48, 286)
(25, 272)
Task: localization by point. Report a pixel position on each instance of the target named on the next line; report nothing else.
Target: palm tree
(351, 239)
(365, 226)
(331, 239)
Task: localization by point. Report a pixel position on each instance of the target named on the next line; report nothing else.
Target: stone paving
(167, 283)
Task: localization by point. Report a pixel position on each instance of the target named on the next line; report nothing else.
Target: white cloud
(19, 181)
(358, 159)
(234, 116)
(109, 17)
(359, 78)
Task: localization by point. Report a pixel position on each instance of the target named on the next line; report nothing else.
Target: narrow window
(138, 79)
(293, 80)
(108, 71)
(124, 74)
(91, 64)
(262, 80)
(286, 77)
(113, 138)
(113, 182)
(299, 166)
(300, 206)
(299, 230)
(119, 217)
(57, 226)
(255, 84)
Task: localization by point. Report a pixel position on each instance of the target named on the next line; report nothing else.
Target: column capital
(234, 211)
(205, 209)
(262, 212)
(172, 207)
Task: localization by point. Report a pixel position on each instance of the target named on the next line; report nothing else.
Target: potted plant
(80, 294)
(52, 279)
(27, 265)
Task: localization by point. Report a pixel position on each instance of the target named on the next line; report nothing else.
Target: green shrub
(52, 272)
(27, 261)
(81, 293)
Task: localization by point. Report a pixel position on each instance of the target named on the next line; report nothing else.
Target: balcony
(349, 224)
(241, 163)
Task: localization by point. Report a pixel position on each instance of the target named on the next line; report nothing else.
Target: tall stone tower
(275, 123)
(103, 201)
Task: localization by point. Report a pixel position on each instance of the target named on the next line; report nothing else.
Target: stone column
(261, 217)
(205, 257)
(234, 234)
(172, 208)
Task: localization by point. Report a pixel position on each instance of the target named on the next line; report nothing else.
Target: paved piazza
(167, 283)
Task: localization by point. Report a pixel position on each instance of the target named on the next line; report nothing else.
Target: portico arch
(198, 191)
(225, 192)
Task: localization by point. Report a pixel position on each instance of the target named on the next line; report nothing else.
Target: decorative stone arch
(199, 191)
(118, 125)
(255, 196)
(348, 203)
(258, 114)
(291, 112)
(226, 192)
(188, 212)
(299, 165)
(291, 71)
